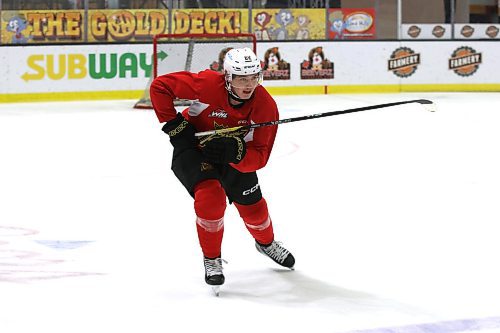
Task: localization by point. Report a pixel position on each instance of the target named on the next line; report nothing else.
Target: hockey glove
(225, 150)
(181, 133)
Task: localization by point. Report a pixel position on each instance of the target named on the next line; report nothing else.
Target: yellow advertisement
(27, 27)
(126, 25)
(289, 24)
(209, 21)
(63, 26)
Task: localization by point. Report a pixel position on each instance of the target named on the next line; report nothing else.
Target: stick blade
(424, 101)
(427, 104)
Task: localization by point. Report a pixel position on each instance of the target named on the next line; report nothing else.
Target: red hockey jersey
(211, 110)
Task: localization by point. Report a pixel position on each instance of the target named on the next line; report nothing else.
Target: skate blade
(216, 290)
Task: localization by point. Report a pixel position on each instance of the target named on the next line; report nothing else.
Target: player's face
(244, 85)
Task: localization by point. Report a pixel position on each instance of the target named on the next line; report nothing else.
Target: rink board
(76, 72)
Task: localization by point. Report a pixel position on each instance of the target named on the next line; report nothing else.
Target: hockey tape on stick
(427, 104)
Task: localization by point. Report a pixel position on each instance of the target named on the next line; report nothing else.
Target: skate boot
(213, 273)
(277, 253)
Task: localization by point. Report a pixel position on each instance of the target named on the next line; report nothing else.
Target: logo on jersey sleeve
(196, 108)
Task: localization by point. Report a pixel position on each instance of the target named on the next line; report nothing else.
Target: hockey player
(225, 166)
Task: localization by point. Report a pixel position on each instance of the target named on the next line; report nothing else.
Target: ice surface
(393, 217)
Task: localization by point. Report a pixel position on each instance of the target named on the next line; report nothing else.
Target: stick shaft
(313, 116)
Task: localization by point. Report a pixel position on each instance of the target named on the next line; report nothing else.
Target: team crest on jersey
(218, 126)
(219, 113)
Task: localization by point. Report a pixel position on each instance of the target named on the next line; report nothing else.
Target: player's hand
(225, 150)
(181, 133)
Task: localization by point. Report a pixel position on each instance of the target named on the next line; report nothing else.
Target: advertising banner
(380, 63)
(425, 31)
(351, 23)
(209, 21)
(288, 24)
(126, 25)
(73, 70)
(31, 27)
(35, 27)
(474, 31)
(443, 31)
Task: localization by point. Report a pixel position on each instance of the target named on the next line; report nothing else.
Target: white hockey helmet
(240, 62)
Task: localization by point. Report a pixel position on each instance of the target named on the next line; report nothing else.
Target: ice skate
(277, 253)
(213, 273)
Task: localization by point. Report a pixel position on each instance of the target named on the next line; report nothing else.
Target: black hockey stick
(425, 102)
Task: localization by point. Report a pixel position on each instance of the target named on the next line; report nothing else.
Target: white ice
(393, 216)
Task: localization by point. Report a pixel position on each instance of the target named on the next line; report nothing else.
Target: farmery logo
(403, 62)
(80, 66)
(465, 61)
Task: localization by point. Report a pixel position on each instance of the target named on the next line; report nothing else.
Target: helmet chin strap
(237, 98)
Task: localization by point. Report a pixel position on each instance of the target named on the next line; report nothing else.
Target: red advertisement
(351, 23)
